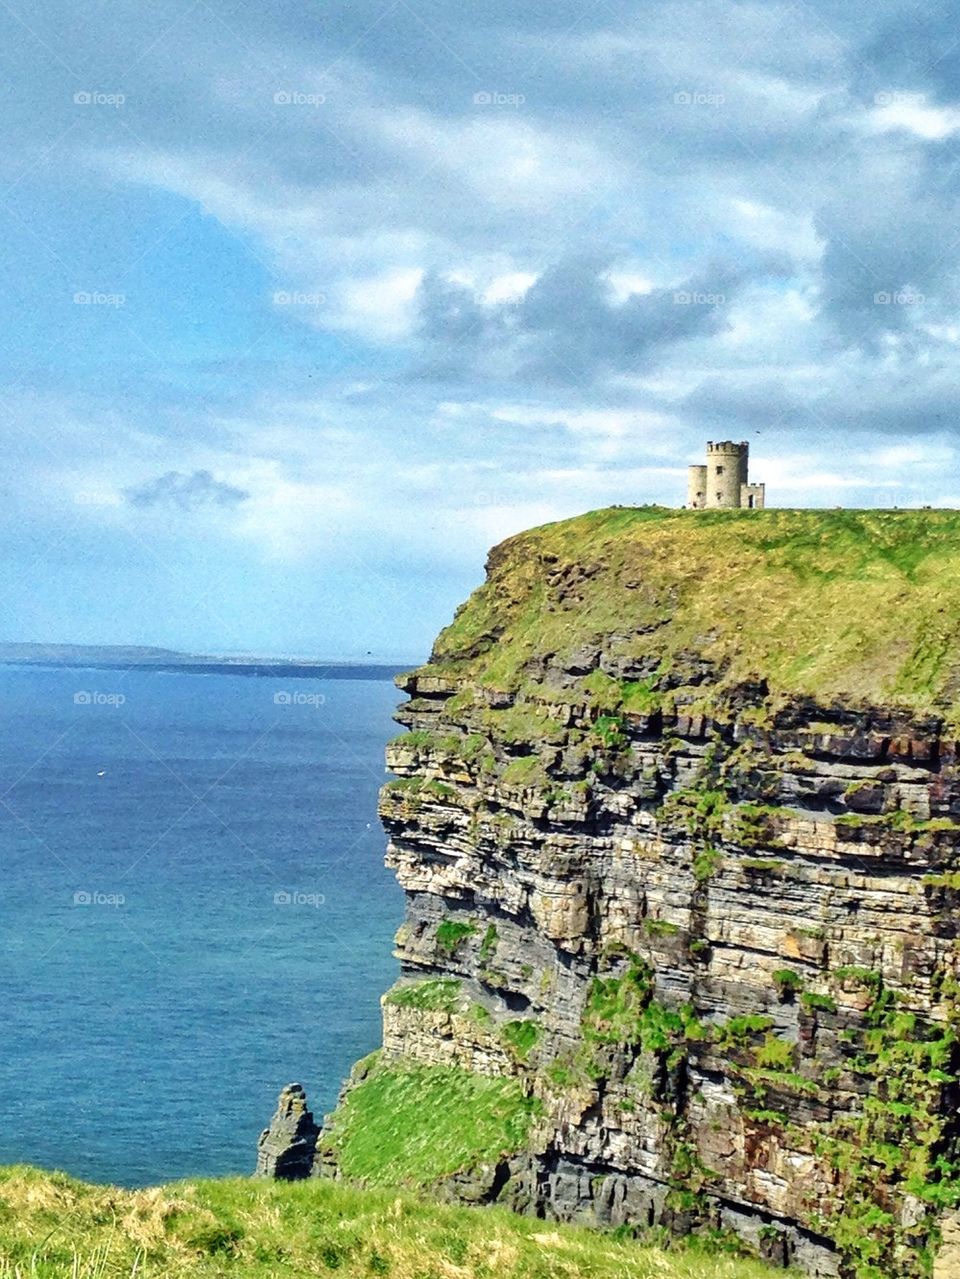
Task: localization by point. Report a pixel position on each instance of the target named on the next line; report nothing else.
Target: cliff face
(678, 821)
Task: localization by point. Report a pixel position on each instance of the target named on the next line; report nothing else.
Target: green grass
(415, 789)
(949, 879)
(409, 1124)
(864, 604)
(706, 863)
(775, 1053)
(523, 723)
(787, 982)
(522, 1037)
(525, 770)
(660, 928)
(52, 1227)
(489, 944)
(761, 865)
(816, 1002)
(451, 933)
(639, 696)
(443, 994)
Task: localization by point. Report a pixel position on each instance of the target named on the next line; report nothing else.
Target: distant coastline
(133, 658)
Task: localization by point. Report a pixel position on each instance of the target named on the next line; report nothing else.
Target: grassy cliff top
(52, 1226)
(857, 604)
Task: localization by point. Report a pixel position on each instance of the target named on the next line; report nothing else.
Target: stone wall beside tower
(753, 496)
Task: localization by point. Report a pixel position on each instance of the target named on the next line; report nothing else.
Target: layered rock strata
(711, 924)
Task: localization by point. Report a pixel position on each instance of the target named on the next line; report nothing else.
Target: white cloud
(380, 307)
(290, 521)
(763, 320)
(767, 227)
(626, 284)
(919, 454)
(508, 288)
(812, 484)
(932, 124)
(614, 423)
(505, 160)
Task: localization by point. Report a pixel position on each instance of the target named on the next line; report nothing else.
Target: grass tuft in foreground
(52, 1227)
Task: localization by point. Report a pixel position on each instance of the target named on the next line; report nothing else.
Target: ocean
(194, 911)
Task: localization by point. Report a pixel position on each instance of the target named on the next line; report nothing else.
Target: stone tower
(724, 483)
(696, 487)
(726, 471)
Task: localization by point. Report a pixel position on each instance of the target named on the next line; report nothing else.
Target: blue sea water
(194, 911)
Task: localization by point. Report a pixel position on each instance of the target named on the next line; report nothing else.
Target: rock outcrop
(947, 1264)
(706, 913)
(286, 1150)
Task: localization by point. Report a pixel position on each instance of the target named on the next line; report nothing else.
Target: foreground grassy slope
(52, 1227)
(864, 604)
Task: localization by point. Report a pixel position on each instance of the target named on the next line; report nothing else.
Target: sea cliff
(677, 814)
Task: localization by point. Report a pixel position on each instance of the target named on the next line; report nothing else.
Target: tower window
(719, 470)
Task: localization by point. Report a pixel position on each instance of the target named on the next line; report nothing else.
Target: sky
(306, 305)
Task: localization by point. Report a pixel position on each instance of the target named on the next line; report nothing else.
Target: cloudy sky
(306, 304)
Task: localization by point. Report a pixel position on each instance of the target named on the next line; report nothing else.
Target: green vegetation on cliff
(712, 758)
(864, 604)
(53, 1227)
(407, 1124)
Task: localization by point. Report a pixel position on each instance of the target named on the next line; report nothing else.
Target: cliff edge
(678, 820)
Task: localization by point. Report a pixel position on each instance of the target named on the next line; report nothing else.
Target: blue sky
(305, 306)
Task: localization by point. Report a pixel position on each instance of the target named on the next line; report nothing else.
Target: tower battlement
(724, 482)
(727, 446)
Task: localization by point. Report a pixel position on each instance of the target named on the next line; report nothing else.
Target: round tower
(696, 488)
(727, 464)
